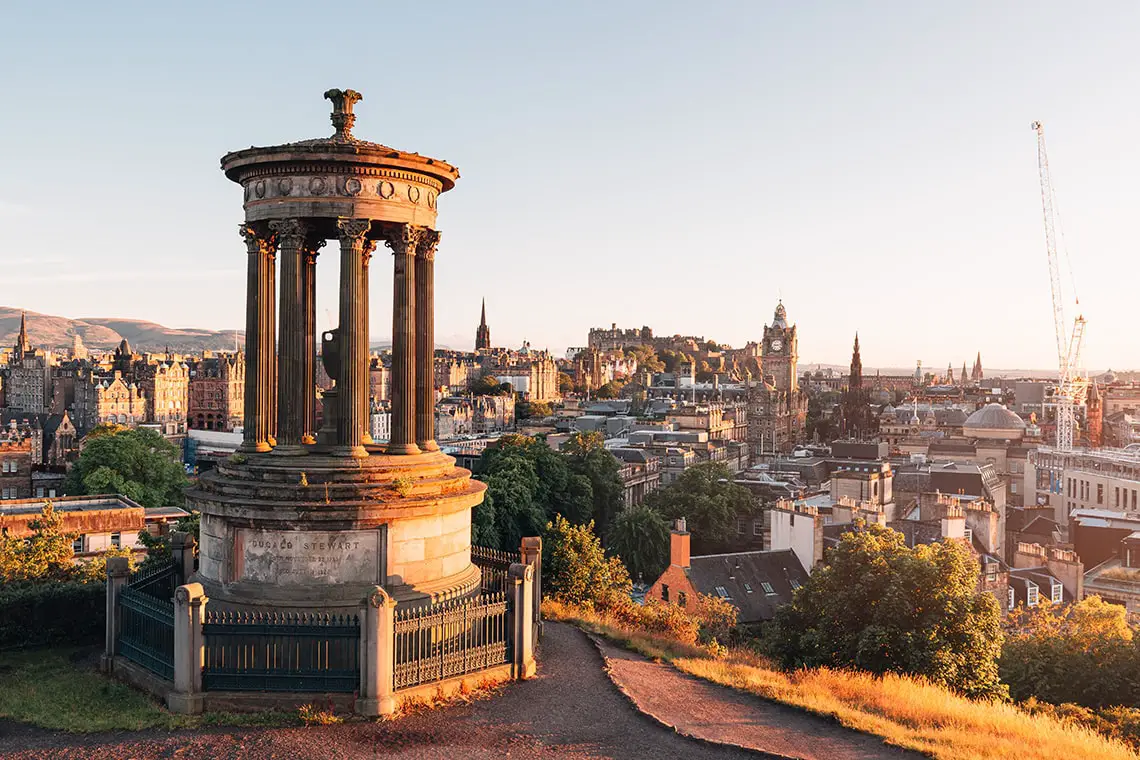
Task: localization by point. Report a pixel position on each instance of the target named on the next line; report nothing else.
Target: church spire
(22, 344)
(483, 334)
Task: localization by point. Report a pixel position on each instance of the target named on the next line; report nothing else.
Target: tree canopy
(489, 385)
(880, 606)
(139, 464)
(1083, 653)
(640, 536)
(48, 555)
(612, 389)
(587, 456)
(576, 568)
(710, 502)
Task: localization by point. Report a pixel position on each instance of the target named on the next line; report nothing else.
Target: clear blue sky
(680, 165)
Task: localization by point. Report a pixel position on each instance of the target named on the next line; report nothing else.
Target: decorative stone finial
(342, 116)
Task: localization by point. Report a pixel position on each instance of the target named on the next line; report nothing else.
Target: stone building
(857, 421)
(532, 374)
(118, 400)
(216, 392)
(165, 385)
(613, 339)
(16, 460)
(777, 407)
(27, 378)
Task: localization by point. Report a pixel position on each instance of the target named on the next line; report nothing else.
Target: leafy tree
(612, 389)
(577, 569)
(880, 606)
(138, 464)
(646, 358)
(489, 385)
(588, 457)
(1082, 653)
(640, 536)
(528, 483)
(710, 502)
(528, 409)
(565, 383)
(47, 555)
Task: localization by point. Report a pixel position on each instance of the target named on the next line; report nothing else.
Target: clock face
(777, 344)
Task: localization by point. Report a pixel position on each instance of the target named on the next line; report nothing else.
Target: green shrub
(37, 614)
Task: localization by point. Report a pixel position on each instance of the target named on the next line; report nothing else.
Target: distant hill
(45, 330)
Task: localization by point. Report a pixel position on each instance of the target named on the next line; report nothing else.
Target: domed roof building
(994, 421)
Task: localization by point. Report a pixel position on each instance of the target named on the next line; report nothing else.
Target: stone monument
(311, 519)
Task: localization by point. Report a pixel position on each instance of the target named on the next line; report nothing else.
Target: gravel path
(571, 710)
(707, 711)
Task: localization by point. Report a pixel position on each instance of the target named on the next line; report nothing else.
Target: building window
(1031, 596)
(767, 587)
(664, 593)
(795, 584)
(748, 588)
(741, 526)
(1116, 495)
(1057, 593)
(77, 545)
(116, 540)
(757, 527)
(722, 592)
(682, 598)
(1100, 493)
(1009, 606)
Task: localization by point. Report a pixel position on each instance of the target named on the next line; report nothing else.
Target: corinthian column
(403, 242)
(308, 363)
(291, 342)
(353, 336)
(259, 340)
(425, 340)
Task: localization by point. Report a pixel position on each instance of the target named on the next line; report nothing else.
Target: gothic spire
(22, 344)
(483, 334)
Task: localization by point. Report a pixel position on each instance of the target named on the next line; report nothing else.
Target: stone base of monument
(316, 532)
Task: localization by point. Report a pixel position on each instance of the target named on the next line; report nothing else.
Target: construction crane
(1071, 383)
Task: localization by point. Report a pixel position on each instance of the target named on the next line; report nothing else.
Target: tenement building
(26, 379)
(216, 392)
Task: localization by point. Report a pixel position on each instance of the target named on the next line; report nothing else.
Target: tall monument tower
(314, 519)
(780, 351)
(483, 333)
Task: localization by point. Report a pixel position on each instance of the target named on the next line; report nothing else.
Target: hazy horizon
(637, 163)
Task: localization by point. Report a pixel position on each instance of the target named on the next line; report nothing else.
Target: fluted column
(403, 242)
(259, 340)
(308, 359)
(425, 340)
(291, 341)
(353, 374)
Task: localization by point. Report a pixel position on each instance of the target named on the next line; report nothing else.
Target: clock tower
(781, 352)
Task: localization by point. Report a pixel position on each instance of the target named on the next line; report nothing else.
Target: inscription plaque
(305, 558)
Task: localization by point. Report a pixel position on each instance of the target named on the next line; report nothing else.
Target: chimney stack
(679, 544)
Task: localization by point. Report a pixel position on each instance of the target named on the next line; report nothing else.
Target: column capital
(428, 240)
(369, 247)
(352, 230)
(290, 232)
(257, 242)
(404, 239)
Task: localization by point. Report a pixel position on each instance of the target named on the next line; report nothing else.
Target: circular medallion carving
(259, 188)
(248, 192)
(352, 186)
(285, 186)
(317, 185)
(386, 189)
(413, 194)
(431, 200)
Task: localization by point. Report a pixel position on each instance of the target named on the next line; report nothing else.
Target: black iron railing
(158, 581)
(448, 639)
(146, 636)
(256, 651)
(495, 566)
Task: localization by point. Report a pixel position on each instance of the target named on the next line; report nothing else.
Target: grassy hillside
(105, 333)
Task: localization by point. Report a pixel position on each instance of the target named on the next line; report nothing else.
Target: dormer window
(1009, 605)
(722, 592)
(1031, 595)
(767, 588)
(1057, 593)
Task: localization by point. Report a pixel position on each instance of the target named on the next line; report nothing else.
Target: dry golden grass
(907, 712)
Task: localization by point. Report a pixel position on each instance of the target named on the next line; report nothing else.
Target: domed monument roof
(994, 421)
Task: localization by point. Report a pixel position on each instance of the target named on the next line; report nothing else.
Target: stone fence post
(377, 654)
(531, 553)
(182, 547)
(118, 571)
(189, 607)
(522, 621)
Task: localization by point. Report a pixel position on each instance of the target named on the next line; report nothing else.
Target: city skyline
(651, 168)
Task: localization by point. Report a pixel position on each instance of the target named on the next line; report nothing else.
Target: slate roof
(742, 576)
